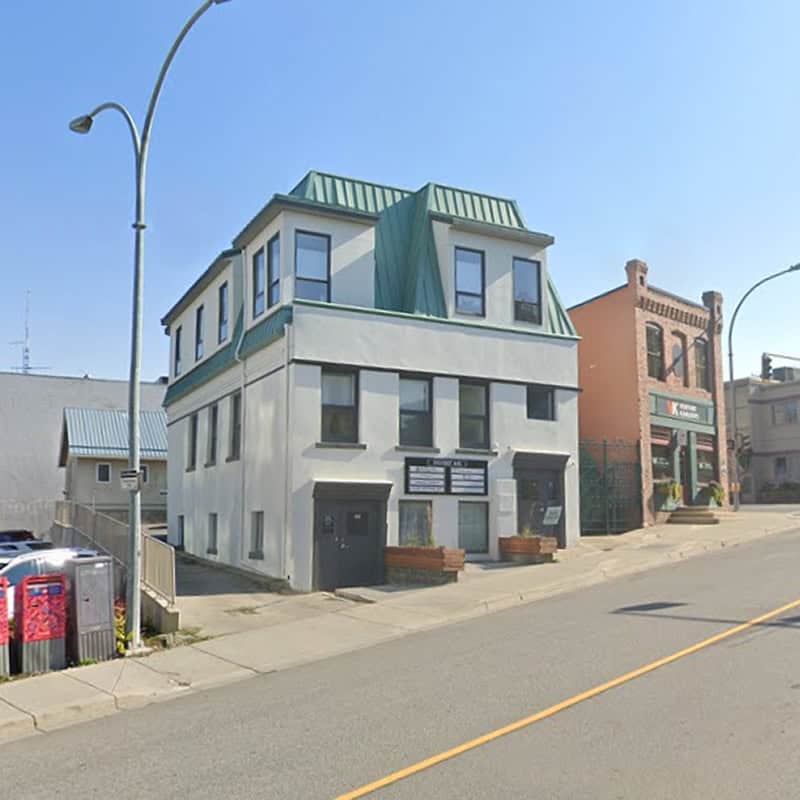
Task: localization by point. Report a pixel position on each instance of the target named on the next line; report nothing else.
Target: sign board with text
(129, 479)
(446, 476)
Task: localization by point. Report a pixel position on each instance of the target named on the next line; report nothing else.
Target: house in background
(94, 451)
(368, 366)
(651, 375)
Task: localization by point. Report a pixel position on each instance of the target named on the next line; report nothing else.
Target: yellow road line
(369, 788)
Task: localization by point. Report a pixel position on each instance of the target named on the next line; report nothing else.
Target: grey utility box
(90, 610)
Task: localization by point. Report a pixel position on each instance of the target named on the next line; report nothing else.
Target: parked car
(9, 551)
(16, 535)
(38, 563)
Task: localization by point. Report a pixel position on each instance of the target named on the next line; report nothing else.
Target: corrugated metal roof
(557, 317)
(103, 433)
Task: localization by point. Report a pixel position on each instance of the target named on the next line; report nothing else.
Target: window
(679, 357)
(416, 417)
(473, 408)
(339, 406)
(191, 461)
(178, 364)
(541, 403)
(145, 470)
(213, 434)
(312, 264)
(181, 531)
(701, 363)
(781, 469)
(527, 291)
(470, 283)
(655, 351)
(473, 527)
(222, 326)
(416, 518)
(661, 453)
(198, 334)
(211, 549)
(705, 446)
(274, 270)
(235, 448)
(258, 283)
(784, 413)
(257, 535)
(104, 473)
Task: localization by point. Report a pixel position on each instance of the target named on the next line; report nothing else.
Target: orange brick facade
(620, 401)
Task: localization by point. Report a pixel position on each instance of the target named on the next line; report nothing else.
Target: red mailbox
(40, 623)
(5, 666)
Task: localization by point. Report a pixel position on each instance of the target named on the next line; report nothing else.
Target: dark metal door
(540, 503)
(348, 544)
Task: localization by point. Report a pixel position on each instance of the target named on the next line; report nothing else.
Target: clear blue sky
(663, 131)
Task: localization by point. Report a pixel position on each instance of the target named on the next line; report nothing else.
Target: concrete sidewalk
(359, 618)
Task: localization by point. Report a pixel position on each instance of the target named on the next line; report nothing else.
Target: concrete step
(693, 515)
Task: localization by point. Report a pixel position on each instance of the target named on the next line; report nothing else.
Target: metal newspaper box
(40, 623)
(90, 618)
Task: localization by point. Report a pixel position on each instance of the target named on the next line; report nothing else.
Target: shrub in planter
(527, 547)
(425, 564)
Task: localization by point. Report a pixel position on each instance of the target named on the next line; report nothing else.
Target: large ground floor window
(473, 527)
(706, 466)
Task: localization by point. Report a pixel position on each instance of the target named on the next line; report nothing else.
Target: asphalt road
(723, 722)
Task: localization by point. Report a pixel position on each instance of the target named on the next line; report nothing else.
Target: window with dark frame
(339, 406)
(103, 473)
(145, 470)
(198, 333)
(235, 445)
(191, 461)
(473, 415)
(473, 527)
(274, 270)
(257, 535)
(213, 433)
(701, 363)
(178, 356)
(527, 290)
(416, 412)
(222, 315)
(258, 283)
(211, 549)
(655, 351)
(470, 282)
(312, 266)
(541, 403)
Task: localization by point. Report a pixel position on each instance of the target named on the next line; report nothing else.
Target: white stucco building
(367, 366)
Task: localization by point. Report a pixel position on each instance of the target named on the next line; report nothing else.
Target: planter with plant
(421, 561)
(712, 494)
(668, 494)
(527, 547)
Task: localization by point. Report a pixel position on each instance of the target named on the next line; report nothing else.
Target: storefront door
(686, 476)
(540, 503)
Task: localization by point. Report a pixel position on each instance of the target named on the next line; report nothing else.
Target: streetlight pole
(141, 144)
(732, 394)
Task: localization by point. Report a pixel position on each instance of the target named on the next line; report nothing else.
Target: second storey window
(527, 291)
(655, 351)
(416, 419)
(339, 406)
(178, 345)
(198, 333)
(274, 270)
(541, 403)
(470, 282)
(258, 283)
(235, 444)
(222, 318)
(701, 363)
(213, 434)
(312, 263)
(191, 456)
(679, 358)
(473, 415)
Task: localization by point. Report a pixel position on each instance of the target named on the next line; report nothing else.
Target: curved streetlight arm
(137, 145)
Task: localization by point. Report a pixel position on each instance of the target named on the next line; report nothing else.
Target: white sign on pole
(129, 479)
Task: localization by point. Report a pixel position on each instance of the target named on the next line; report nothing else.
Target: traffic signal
(766, 367)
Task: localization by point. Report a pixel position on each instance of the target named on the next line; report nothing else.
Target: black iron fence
(611, 491)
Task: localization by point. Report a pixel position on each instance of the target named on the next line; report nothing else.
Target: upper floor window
(527, 291)
(178, 345)
(258, 283)
(213, 434)
(473, 415)
(701, 363)
(679, 358)
(191, 455)
(470, 282)
(785, 413)
(416, 419)
(274, 270)
(312, 264)
(655, 351)
(339, 406)
(541, 403)
(222, 316)
(198, 333)
(235, 442)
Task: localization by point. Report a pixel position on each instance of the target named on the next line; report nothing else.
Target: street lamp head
(794, 267)
(81, 124)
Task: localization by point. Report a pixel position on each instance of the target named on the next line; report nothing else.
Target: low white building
(369, 366)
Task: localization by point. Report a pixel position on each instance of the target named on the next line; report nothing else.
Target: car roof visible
(50, 554)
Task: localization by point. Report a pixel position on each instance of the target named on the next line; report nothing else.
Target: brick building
(650, 366)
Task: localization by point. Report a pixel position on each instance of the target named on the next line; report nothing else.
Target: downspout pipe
(243, 405)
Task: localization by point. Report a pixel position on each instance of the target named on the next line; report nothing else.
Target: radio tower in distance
(25, 343)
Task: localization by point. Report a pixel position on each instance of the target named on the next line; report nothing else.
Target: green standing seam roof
(103, 433)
